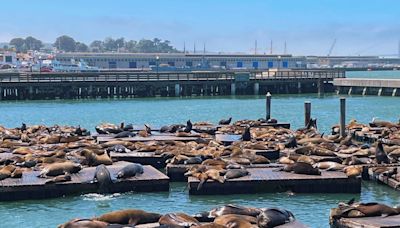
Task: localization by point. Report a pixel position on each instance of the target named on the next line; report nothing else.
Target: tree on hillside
(130, 46)
(81, 47)
(18, 43)
(65, 43)
(97, 46)
(32, 43)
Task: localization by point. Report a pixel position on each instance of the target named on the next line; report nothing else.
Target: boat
(57, 66)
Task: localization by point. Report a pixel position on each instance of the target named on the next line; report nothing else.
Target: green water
(312, 209)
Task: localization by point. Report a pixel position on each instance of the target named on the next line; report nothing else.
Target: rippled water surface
(312, 209)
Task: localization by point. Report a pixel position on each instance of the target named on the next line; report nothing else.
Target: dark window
(152, 63)
(189, 63)
(239, 64)
(171, 63)
(270, 64)
(223, 64)
(285, 64)
(255, 65)
(132, 65)
(112, 64)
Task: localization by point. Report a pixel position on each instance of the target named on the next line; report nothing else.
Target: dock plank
(368, 222)
(32, 187)
(268, 180)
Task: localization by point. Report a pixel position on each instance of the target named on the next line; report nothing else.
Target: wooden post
(342, 124)
(307, 112)
(268, 106)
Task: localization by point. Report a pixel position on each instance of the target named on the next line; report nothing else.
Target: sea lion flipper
(351, 201)
(201, 184)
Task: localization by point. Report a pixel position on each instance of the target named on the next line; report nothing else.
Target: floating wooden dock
(268, 180)
(176, 172)
(367, 222)
(382, 179)
(32, 187)
(144, 158)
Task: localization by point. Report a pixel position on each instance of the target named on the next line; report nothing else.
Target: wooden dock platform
(268, 180)
(176, 172)
(32, 187)
(367, 222)
(381, 179)
(144, 158)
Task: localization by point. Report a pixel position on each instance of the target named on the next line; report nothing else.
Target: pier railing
(36, 77)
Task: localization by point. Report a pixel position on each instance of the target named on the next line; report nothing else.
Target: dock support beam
(394, 92)
(342, 124)
(268, 106)
(321, 89)
(350, 90)
(1, 93)
(364, 91)
(233, 89)
(307, 112)
(299, 87)
(380, 91)
(256, 88)
(177, 90)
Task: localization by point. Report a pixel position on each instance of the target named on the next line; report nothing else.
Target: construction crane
(332, 46)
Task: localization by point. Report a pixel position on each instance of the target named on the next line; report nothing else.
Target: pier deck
(368, 222)
(268, 180)
(365, 86)
(32, 187)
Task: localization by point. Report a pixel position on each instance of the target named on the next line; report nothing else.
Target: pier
(363, 86)
(116, 84)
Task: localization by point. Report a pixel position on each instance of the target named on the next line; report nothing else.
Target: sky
(309, 27)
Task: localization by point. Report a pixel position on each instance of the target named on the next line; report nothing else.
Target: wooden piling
(268, 106)
(342, 116)
(307, 112)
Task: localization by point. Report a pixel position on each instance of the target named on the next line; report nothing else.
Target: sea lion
(292, 142)
(60, 178)
(118, 149)
(125, 134)
(215, 174)
(272, 217)
(246, 136)
(329, 166)
(178, 219)
(236, 221)
(373, 209)
(129, 216)
(130, 170)
(306, 159)
(301, 168)
(193, 160)
(17, 173)
(188, 127)
(103, 178)
(83, 223)
(210, 225)
(225, 121)
(6, 171)
(208, 216)
(146, 132)
(353, 171)
(235, 173)
(285, 160)
(56, 169)
(93, 159)
(202, 178)
(380, 154)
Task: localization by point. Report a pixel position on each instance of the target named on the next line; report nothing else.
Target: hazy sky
(361, 27)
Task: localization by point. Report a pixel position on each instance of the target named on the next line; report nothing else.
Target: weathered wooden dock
(367, 222)
(103, 139)
(176, 172)
(268, 180)
(382, 179)
(112, 84)
(144, 158)
(32, 187)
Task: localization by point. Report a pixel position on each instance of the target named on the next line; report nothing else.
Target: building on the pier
(182, 60)
(8, 57)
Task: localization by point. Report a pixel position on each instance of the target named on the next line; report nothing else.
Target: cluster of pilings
(83, 90)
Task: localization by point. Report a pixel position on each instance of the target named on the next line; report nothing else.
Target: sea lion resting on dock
(232, 220)
(130, 216)
(130, 170)
(272, 217)
(209, 216)
(301, 168)
(60, 169)
(83, 223)
(178, 219)
(353, 209)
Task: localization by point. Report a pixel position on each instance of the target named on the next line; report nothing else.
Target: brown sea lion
(210, 225)
(56, 169)
(306, 159)
(83, 223)
(60, 178)
(380, 154)
(17, 173)
(202, 178)
(6, 171)
(92, 159)
(215, 174)
(374, 209)
(178, 219)
(353, 171)
(285, 160)
(302, 168)
(129, 216)
(236, 221)
(208, 216)
(329, 166)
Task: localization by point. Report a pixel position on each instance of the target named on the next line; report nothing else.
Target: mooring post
(307, 112)
(342, 116)
(268, 106)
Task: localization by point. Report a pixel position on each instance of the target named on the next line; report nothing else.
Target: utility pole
(284, 49)
(270, 50)
(194, 48)
(184, 47)
(204, 48)
(255, 47)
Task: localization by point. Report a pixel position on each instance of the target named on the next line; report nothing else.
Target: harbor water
(311, 209)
